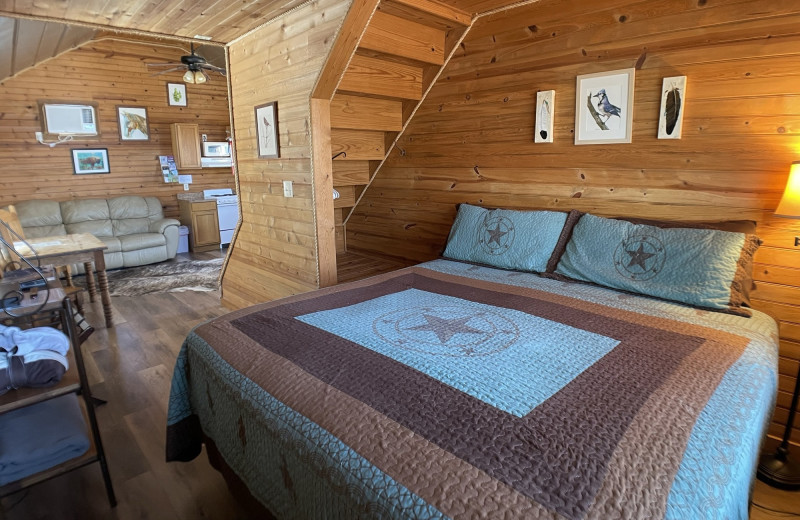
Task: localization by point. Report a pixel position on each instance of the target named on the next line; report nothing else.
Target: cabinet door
(186, 145)
(205, 227)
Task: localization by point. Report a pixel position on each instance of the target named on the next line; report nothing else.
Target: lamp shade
(188, 77)
(199, 77)
(789, 205)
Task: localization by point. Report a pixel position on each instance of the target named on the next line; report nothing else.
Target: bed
(454, 390)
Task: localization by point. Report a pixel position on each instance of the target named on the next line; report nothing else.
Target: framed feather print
(673, 99)
(545, 102)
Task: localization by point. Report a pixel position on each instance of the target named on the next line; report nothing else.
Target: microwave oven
(216, 149)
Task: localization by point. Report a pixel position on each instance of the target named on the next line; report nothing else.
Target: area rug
(192, 275)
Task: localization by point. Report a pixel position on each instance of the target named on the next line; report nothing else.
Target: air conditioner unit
(70, 119)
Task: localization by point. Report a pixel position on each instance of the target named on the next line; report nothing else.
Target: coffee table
(82, 248)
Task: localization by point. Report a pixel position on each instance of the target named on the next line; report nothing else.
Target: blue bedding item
(40, 436)
(700, 267)
(509, 239)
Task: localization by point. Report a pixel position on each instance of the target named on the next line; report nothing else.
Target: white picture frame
(604, 107)
(90, 161)
(545, 106)
(673, 104)
(176, 95)
(133, 124)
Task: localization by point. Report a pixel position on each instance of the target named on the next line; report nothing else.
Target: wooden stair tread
(366, 113)
(400, 37)
(384, 78)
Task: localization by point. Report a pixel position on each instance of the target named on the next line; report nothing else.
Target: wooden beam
(323, 191)
(350, 173)
(353, 27)
(401, 37)
(359, 144)
(439, 10)
(359, 112)
(382, 78)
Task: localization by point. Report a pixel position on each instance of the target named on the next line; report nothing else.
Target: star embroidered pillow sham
(701, 267)
(509, 239)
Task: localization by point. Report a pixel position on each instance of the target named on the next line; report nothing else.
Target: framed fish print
(133, 123)
(604, 107)
(673, 99)
(545, 103)
(267, 131)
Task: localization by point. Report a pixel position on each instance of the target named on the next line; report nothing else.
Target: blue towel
(41, 436)
(38, 338)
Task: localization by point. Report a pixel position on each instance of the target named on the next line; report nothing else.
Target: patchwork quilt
(449, 390)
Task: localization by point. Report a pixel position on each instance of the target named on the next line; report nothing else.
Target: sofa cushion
(141, 241)
(87, 216)
(132, 214)
(40, 218)
(113, 243)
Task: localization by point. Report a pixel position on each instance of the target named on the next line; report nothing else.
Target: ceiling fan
(194, 65)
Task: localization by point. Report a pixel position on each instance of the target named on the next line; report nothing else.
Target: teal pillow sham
(509, 239)
(700, 267)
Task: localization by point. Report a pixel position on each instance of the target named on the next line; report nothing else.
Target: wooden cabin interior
(424, 104)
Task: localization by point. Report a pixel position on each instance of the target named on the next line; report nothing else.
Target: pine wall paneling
(275, 252)
(472, 139)
(108, 72)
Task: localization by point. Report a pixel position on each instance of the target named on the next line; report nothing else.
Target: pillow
(698, 266)
(509, 239)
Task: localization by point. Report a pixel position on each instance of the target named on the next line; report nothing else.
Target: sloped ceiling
(26, 43)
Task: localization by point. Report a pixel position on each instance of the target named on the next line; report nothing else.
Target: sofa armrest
(159, 226)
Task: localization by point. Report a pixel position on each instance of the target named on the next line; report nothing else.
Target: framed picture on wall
(604, 107)
(176, 94)
(133, 123)
(267, 131)
(90, 160)
(673, 99)
(545, 102)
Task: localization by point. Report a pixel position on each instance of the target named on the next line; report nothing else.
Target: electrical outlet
(288, 191)
(185, 187)
(39, 136)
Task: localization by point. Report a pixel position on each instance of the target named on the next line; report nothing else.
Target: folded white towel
(38, 338)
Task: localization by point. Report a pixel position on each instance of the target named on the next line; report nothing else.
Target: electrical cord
(788, 514)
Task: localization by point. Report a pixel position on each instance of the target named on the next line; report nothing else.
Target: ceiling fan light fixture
(199, 77)
(188, 77)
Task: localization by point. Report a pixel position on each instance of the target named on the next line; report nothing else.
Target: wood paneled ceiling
(26, 43)
(222, 20)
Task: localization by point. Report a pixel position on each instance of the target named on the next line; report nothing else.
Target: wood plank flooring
(131, 366)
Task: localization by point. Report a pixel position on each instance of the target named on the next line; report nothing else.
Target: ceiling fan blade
(172, 63)
(165, 71)
(214, 68)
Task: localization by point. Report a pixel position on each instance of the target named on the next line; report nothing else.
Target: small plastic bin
(183, 239)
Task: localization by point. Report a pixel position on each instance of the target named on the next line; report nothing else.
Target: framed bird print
(267, 131)
(545, 102)
(673, 97)
(604, 107)
(133, 123)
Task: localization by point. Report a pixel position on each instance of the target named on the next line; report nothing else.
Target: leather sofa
(133, 227)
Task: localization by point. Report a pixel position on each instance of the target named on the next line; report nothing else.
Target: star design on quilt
(446, 328)
(639, 257)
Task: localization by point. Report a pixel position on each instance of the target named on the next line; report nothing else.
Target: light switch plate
(288, 191)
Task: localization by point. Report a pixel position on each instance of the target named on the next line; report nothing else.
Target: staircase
(400, 53)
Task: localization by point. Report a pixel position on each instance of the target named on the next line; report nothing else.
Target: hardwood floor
(131, 366)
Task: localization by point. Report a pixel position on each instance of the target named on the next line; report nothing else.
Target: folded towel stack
(34, 357)
(40, 436)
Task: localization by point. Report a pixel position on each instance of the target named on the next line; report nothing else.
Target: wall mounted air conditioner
(69, 119)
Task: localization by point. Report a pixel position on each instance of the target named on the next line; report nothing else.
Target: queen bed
(456, 390)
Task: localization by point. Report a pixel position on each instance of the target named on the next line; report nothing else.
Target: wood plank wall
(472, 140)
(274, 254)
(110, 73)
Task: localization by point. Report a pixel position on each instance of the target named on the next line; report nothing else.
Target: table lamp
(778, 469)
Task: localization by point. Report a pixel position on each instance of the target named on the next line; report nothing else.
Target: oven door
(228, 217)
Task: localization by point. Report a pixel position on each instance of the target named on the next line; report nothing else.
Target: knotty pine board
(472, 138)
(109, 72)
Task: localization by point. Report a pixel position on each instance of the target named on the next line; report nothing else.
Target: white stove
(227, 211)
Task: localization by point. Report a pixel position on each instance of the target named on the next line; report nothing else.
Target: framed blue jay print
(604, 107)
